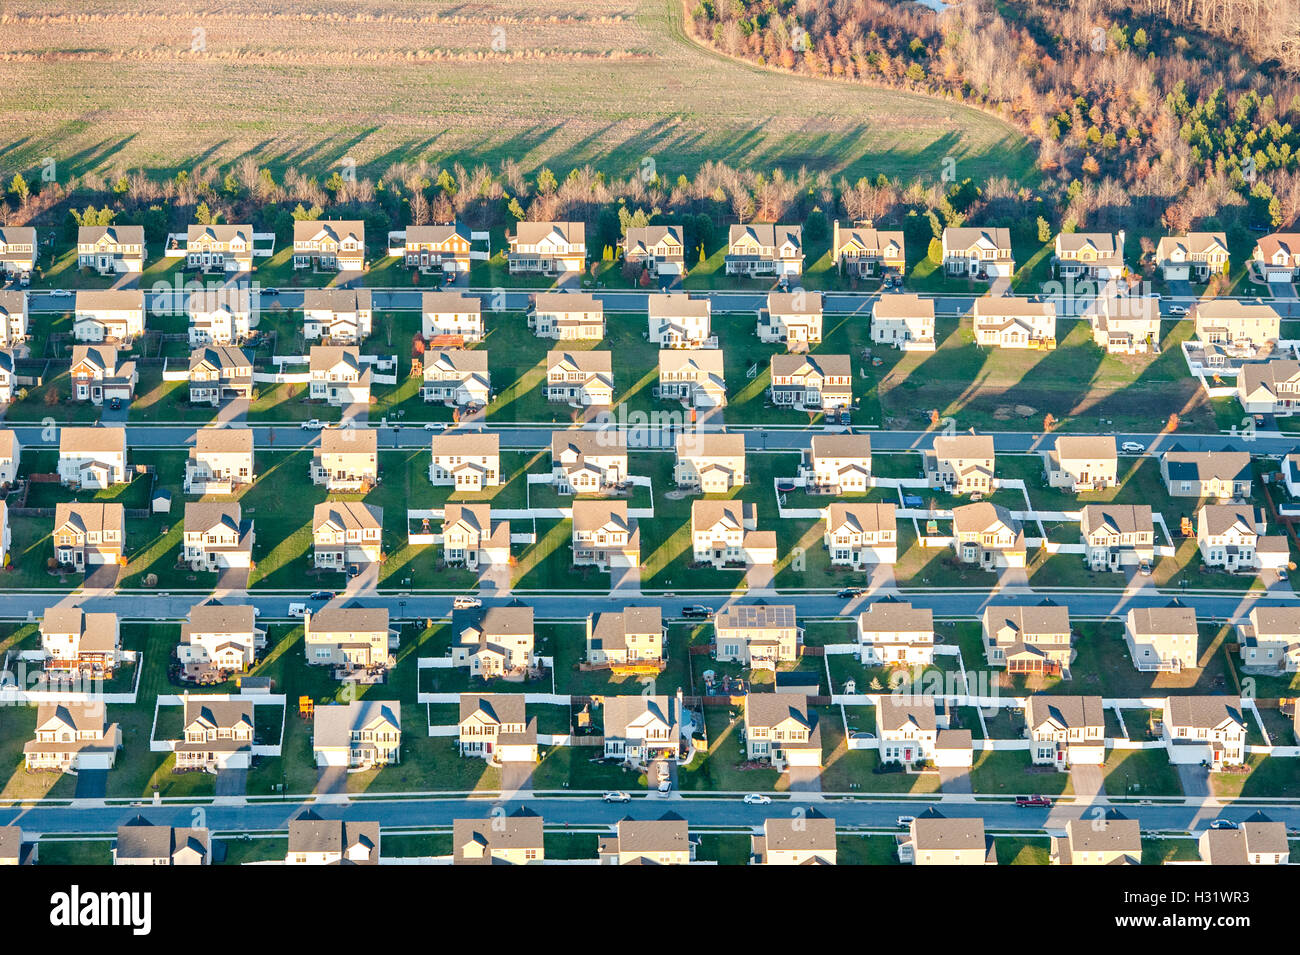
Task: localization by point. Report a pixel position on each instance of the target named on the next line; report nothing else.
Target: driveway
(231, 782)
(759, 577)
(494, 579)
(1087, 782)
(102, 577)
(233, 578)
(954, 779)
(333, 780)
(516, 777)
(91, 784)
(367, 581)
(625, 579)
(804, 779)
(1195, 779)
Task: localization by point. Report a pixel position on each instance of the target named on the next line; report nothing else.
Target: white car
(1132, 447)
(665, 785)
(905, 821)
(466, 603)
(297, 610)
(1177, 309)
(313, 424)
(617, 797)
(437, 425)
(61, 293)
(757, 799)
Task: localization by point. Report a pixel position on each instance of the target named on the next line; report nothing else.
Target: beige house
(467, 461)
(795, 840)
(502, 840)
(986, 534)
(1194, 256)
(1014, 321)
(588, 462)
(215, 536)
(218, 638)
(678, 320)
(452, 313)
(792, 318)
(346, 532)
(1232, 536)
(838, 464)
(604, 536)
(936, 840)
(221, 316)
(100, 373)
(665, 841)
(219, 373)
(347, 459)
(758, 636)
(781, 730)
(905, 321)
(692, 376)
(8, 378)
(1066, 731)
(1257, 841)
(1277, 256)
(219, 247)
(960, 463)
(88, 534)
(580, 378)
(92, 458)
(978, 253)
(891, 631)
(71, 737)
(348, 637)
(11, 456)
(1204, 730)
(811, 382)
(217, 734)
(18, 250)
(220, 461)
(1240, 328)
(471, 538)
(567, 316)
(907, 728)
(317, 841)
(494, 641)
(495, 727)
(73, 640)
(1098, 842)
(547, 248)
(725, 533)
(457, 378)
(337, 245)
(639, 729)
(337, 315)
(440, 247)
(1125, 324)
(1082, 462)
(1269, 387)
(860, 535)
(862, 251)
(339, 376)
(141, 843)
(361, 734)
(631, 637)
(709, 461)
(1116, 536)
(108, 315)
(1034, 639)
(1089, 255)
(659, 249)
(111, 249)
(1218, 474)
(1270, 641)
(14, 849)
(1162, 638)
(764, 249)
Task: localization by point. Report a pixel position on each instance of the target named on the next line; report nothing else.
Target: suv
(466, 603)
(697, 612)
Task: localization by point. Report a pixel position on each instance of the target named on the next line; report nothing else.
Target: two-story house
(219, 247)
(88, 534)
(986, 534)
(1125, 324)
(659, 249)
(337, 315)
(317, 841)
(632, 637)
(862, 252)
(452, 313)
(1195, 256)
(347, 459)
(893, 631)
(1277, 257)
(1028, 639)
(811, 382)
(467, 461)
(759, 636)
(439, 247)
(18, 251)
(495, 727)
(100, 373)
(92, 458)
(960, 463)
(978, 253)
(677, 320)
(657, 842)
(695, 377)
(219, 638)
(11, 457)
(220, 461)
(1232, 536)
(1089, 255)
(329, 245)
(934, 839)
(108, 315)
(799, 840)
(360, 734)
(141, 843)
(217, 734)
(346, 532)
(588, 462)
(516, 839)
(792, 318)
(782, 730)
(640, 729)
(348, 637)
(74, 641)
(709, 461)
(493, 641)
(220, 373)
(1224, 475)
(907, 728)
(905, 321)
(472, 538)
(1014, 321)
(1162, 638)
(604, 536)
(1066, 731)
(1240, 328)
(338, 375)
(1204, 730)
(13, 317)
(216, 537)
(1116, 536)
(567, 316)
(860, 535)
(764, 249)
(1269, 387)
(725, 533)
(111, 249)
(547, 248)
(221, 316)
(1269, 641)
(1108, 841)
(1082, 462)
(71, 737)
(581, 378)
(1257, 841)
(838, 464)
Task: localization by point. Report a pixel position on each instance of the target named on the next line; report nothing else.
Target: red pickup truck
(1034, 801)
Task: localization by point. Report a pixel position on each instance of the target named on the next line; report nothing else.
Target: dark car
(322, 595)
(848, 592)
(697, 612)
(1033, 801)
(115, 404)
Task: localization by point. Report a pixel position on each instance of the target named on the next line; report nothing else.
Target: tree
(935, 252)
(1044, 230)
(19, 187)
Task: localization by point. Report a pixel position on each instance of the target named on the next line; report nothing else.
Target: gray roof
(140, 840)
(1203, 712)
(893, 712)
(334, 835)
(1072, 712)
(519, 831)
(755, 616)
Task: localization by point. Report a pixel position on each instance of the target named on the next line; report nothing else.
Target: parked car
(1177, 309)
(297, 610)
(1223, 824)
(905, 821)
(270, 291)
(313, 424)
(115, 404)
(1144, 568)
(697, 612)
(1282, 574)
(61, 293)
(437, 425)
(466, 603)
(757, 799)
(321, 596)
(665, 785)
(849, 592)
(1132, 447)
(617, 797)
(1033, 802)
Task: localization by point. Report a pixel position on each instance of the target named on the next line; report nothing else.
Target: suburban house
(338, 375)
(108, 315)
(11, 456)
(452, 313)
(141, 843)
(588, 462)
(471, 538)
(665, 841)
(1082, 463)
(725, 533)
(1098, 842)
(442, 247)
(219, 247)
(346, 532)
(580, 378)
(1014, 321)
(218, 373)
(1257, 841)
(978, 253)
(795, 840)
(516, 839)
(1232, 536)
(960, 463)
(361, 734)
(496, 727)
(18, 250)
(859, 535)
(317, 841)
(660, 249)
(1240, 328)
(217, 734)
(75, 641)
(677, 320)
(1125, 324)
(101, 373)
(1269, 387)
(892, 631)
(639, 729)
(861, 251)
(92, 458)
(907, 727)
(1116, 536)
(1028, 639)
(791, 318)
(339, 315)
(88, 534)
(215, 537)
(348, 637)
(493, 641)
(547, 248)
(764, 249)
(987, 534)
(781, 729)
(1089, 255)
(16, 850)
(1270, 641)
(567, 316)
(811, 382)
(630, 637)
(71, 737)
(1204, 730)
(1066, 731)
(467, 461)
(1162, 638)
(934, 839)
(711, 462)
(1277, 256)
(1194, 256)
(759, 636)
(7, 377)
(347, 459)
(1219, 474)
(220, 461)
(692, 376)
(218, 638)
(838, 464)
(329, 245)
(111, 249)
(905, 321)
(604, 536)
(220, 316)
(13, 316)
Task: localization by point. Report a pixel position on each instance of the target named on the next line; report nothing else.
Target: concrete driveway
(333, 780)
(804, 779)
(91, 784)
(1195, 779)
(516, 777)
(231, 783)
(1087, 782)
(954, 779)
(625, 579)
